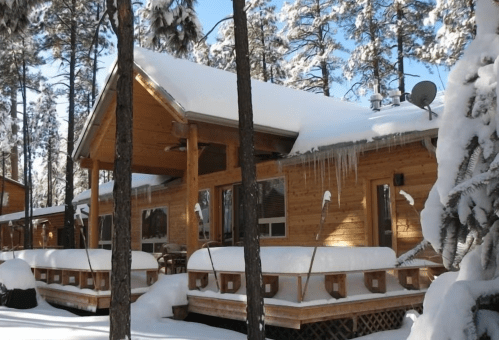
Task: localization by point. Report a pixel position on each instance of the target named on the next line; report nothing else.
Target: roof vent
(395, 95)
(376, 98)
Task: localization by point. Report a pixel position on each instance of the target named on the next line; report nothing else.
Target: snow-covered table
(331, 262)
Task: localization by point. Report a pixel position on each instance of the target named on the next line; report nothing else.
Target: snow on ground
(47, 322)
(397, 334)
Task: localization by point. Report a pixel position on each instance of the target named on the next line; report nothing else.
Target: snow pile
(296, 259)
(16, 274)
(450, 301)
(77, 259)
(168, 291)
(397, 334)
(138, 181)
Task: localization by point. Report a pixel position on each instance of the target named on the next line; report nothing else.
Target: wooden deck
(407, 289)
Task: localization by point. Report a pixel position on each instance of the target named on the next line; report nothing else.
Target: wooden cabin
(185, 129)
(48, 224)
(378, 165)
(13, 196)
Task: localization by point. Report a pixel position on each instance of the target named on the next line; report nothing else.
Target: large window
(204, 203)
(105, 231)
(271, 208)
(154, 229)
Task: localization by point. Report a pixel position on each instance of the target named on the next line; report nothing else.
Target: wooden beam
(232, 156)
(86, 163)
(192, 190)
(93, 228)
(151, 88)
(212, 133)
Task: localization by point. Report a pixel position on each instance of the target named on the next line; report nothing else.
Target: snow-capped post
(199, 215)
(325, 205)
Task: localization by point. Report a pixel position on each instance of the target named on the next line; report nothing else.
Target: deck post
(192, 189)
(93, 230)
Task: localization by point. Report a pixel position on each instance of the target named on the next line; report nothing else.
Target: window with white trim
(154, 229)
(271, 207)
(204, 203)
(105, 231)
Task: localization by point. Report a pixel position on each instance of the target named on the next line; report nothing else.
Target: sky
(212, 11)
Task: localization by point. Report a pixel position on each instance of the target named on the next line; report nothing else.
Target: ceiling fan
(182, 146)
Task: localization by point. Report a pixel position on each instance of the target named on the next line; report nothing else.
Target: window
(204, 203)
(271, 208)
(105, 231)
(154, 229)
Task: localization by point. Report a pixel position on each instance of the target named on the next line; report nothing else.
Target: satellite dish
(423, 94)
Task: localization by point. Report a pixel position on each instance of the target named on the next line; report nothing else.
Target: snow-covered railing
(334, 263)
(70, 267)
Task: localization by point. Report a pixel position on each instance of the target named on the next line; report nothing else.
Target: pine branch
(411, 254)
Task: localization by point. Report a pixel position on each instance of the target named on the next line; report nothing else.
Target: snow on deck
(77, 259)
(296, 260)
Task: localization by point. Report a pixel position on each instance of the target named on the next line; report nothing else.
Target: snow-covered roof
(208, 94)
(37, 212)
(139, 181)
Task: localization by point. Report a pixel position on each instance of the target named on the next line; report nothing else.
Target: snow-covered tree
(46, 141)
(309, 28)
(461, 218)
(266, 47)
(370, 62)
(457, 27)
(172, 26)
(14, 15)
(408, 33)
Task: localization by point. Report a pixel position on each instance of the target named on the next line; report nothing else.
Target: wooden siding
(349, 219)
(16, 198)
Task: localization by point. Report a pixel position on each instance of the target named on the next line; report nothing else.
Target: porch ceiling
(152, 126)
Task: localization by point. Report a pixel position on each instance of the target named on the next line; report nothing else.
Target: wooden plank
(93, 228)
(375, 281)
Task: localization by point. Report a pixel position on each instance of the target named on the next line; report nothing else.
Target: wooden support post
(231, 156)
(336, 285)
(230, 283)
(93, 230)
(375, 281)
(300, 293)
(270, 285)
(409, 278)
(192, 190)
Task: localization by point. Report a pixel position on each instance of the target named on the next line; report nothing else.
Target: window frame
(102, 243)
(275, 220)
(155, 240)
(206, 225)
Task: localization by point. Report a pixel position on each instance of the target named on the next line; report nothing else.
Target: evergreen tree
(456, 24)
(266, 47)
(172, 26)
(309, 29)
(46, 142)
(370, 61)
(14, 15)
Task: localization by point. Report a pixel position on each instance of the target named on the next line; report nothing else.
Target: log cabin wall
(15, 200)
(350, 218)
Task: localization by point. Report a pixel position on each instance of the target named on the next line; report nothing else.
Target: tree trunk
(49, 173)
(94, 70)
(3, 183)
(122, 258)
(254, 309)
(27, 188)
(400, 50)
(69, 209)
(14, 155)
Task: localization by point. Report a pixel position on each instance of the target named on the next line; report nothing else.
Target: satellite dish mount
(422, 95)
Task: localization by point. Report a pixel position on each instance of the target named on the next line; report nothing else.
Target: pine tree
(455, 20)
(309, 29)
(265, 45)
(172, 26)
(14, 15)
(370, 62)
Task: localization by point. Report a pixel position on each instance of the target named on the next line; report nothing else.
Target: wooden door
(383, 221)
(227, 215)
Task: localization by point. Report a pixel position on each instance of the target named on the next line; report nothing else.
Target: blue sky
(211, 11)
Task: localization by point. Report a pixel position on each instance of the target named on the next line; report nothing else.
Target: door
(227, 215)
(382, 217)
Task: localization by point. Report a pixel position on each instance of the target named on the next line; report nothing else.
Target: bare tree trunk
(68, 202)
(27, 188)
(254, 309)
(122, 258)
(14, 155)
(400, 52)
(49, 173)
(3, 183)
